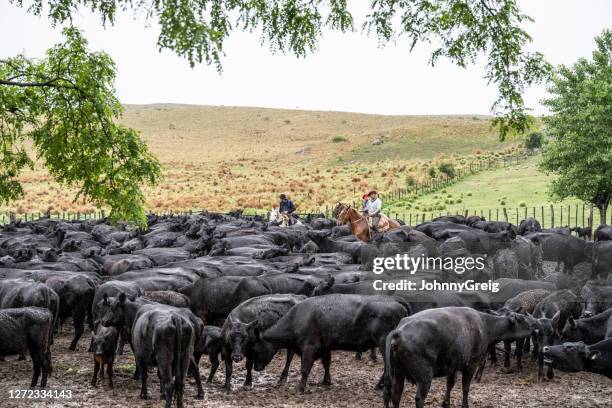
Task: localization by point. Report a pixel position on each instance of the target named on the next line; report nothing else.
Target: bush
(534, 140)
(339, 139)
(410, 181)
(522, 204)
(432, 172)
(448, 169)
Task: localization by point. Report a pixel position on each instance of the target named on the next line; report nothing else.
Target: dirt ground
(352, 385)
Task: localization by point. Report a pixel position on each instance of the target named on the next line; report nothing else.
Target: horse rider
(365, 200)
(372, 209)
(286, 206)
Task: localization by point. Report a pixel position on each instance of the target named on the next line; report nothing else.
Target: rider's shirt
(374, 207)
(286, 206)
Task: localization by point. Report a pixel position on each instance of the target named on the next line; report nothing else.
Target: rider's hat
(364, 196)
(283, 196)
(372, 192)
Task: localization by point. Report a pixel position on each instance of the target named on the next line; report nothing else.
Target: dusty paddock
(352, 385)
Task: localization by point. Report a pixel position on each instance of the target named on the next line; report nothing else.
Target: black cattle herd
(237, 289)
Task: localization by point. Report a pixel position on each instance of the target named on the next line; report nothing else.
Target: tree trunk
(603, 209)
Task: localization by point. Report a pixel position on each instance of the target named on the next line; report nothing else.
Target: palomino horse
(360, 228)
(283, 220)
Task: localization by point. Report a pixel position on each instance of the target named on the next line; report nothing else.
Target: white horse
(283, 220)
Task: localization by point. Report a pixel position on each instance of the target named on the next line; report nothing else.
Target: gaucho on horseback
(372, 209)
(370, 218)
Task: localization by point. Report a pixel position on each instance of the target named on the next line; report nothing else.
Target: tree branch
(49, 83)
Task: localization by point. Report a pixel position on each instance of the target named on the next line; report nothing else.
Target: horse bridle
(346, 208)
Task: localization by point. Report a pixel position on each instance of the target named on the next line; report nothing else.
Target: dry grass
(222, 158)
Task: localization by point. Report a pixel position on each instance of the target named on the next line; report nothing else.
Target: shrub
(522, 204)
(339, 139)
(410, 181)
(448, 169)
(534, 140)
(432, 172)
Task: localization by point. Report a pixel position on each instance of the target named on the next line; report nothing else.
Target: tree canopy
(65, 103)
(64, 107)
(460, 30)
(580, 128)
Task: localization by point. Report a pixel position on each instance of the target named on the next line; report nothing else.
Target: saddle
(383, 224)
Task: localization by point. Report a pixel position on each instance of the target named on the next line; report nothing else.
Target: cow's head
(570, 357)
(114, 310)
(324, 287)
(547, 329)
(571, 332)
(239, 337)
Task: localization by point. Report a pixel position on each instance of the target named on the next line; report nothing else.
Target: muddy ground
(352, 385)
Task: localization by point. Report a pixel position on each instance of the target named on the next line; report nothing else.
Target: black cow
(552, 312)
(104, 348)
(602, 260)
(559, 230)
(589, 329)
(562, 248)
(440, 342)
(165, 339)
(319, 325)
(529, 225)
(20, 293)
(210, 343)
(584, 233)
(597, 297)
(242, 330)
(28, 328)
(573, 357)
(603, 233)
(76, 295)
(124, 314)
(213, 299)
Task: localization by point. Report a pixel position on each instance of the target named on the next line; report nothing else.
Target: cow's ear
(105, 299)
(122, 297)
(593, 355)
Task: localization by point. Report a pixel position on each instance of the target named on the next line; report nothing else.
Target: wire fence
(576, 215)
(443, 180)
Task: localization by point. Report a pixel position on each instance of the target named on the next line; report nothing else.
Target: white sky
(349, 72)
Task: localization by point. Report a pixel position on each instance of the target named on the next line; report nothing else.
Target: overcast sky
(349, 72)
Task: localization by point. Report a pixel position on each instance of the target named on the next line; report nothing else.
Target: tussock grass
(222, 158)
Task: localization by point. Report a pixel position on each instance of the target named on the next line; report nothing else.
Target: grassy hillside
(520, 186)
(221, 158)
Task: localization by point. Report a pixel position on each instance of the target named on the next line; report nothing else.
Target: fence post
(505, 213)
(517, 216)
(552, 216)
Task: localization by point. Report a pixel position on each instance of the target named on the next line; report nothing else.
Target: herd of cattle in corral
(238, 289)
